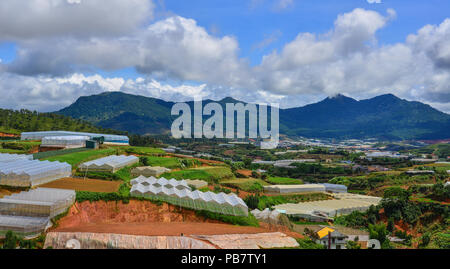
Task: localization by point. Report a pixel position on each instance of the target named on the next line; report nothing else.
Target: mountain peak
(340, 98)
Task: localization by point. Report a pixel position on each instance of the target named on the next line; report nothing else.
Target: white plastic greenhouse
(162, 182)
(40, 202)
(26, 173)
(109, 139)
(65, 141)
(24, 226)
(109, 164)
(5, 157)
(228, 204)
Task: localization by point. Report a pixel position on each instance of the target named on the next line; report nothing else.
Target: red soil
(247, 173)
(146, 218)
(79, 184)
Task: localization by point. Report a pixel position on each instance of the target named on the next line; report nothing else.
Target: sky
(291, 52)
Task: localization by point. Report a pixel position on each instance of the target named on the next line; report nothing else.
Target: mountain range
(384, 117)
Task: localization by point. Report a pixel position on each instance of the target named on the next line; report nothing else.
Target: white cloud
(374, 1)
(347, 59)
(30, 19)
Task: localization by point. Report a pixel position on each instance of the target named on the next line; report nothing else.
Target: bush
(235, 220)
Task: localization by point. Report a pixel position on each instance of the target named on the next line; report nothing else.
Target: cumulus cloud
(29, 19)
(347, 59)
(175, 47)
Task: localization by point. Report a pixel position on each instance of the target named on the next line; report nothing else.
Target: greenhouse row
(109, 139)
(162, 182)
(23, 226)
(228, 204)
(5, 157)
(27, 173)
(306, 188)
(40, 202)
(65, 141)
(109, 164)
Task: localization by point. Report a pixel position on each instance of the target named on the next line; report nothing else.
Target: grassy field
(19, 147)
(284, 181)
(246, 184)
(143, 150)
(77, 158)
(209, 174)
(171, 163)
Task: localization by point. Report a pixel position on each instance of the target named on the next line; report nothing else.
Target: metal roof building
(109, 138)
(27, 173)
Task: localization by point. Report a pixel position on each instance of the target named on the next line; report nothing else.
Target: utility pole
(329, 240)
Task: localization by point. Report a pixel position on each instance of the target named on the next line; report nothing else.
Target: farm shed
(306, 188)
(109, 164)
(109, 139)
(40, 202)
(149, 171)
(162, 182)
(228, 204)
(27, 173)
(5, 157)
(64, 141)
(27, 227)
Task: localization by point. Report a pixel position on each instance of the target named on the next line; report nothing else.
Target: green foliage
(352, 245)
(270, 201)
(308, 244)
(235, 220)
(379, 232)
(397, 193)
(284, 181)
(28, 121)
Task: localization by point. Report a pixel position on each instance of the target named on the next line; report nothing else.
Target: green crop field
(284, 181)
(209, 174)
(170, 163)
(77, 158)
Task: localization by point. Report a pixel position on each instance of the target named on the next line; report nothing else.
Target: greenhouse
(40, 202)
(27, 173)
(162, 182)
(5, 157)
(227, 204)
(64, 141)
(306, 188)
(27, 227)
(149, 171)
(111, 164)
(109, 139)
(336, 188)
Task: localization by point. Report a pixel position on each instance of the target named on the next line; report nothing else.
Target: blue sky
(291, 52)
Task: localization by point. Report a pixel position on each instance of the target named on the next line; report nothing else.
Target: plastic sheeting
(5, 157)
(335, 188)
(295, 188)
(27, 173)
(228, 204)
(65, 141)
(24, 226)
(109, 164)
(117, 139)
(40, 202)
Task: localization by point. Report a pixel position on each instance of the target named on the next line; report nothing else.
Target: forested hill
(385, 117)
(15, 122)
